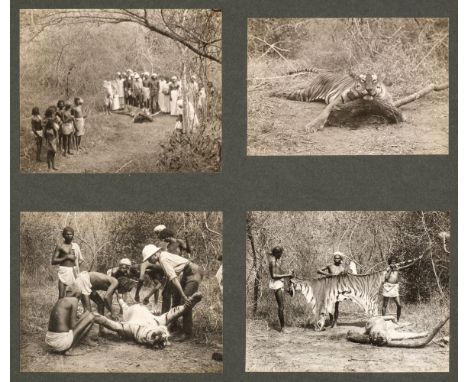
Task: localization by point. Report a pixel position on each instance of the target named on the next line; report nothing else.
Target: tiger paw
(315, 126)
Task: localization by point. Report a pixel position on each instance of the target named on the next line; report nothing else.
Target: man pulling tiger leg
(142, 326)
(391, 286)
(277, 282)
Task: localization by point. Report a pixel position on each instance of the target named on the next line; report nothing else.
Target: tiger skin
(334, 89)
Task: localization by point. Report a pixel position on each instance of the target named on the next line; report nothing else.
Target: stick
(421, 93)
(124, 165)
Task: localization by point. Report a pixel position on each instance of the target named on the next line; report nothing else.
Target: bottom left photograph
(121, 292)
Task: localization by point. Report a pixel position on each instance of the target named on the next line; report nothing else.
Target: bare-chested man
(88, 283)
(277, 281)
(65, 330)
(334, 269)
(173, 245)
(68, 257)
(391, 287)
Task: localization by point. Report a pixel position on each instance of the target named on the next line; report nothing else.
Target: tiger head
(368, 86)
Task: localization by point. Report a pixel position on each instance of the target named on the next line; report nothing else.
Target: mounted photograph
(120, 90)
(121, 292)
(348, 291)
(348, 86)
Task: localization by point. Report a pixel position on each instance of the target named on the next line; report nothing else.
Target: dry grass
(410, 57)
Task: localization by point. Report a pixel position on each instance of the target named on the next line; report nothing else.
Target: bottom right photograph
(348, 291)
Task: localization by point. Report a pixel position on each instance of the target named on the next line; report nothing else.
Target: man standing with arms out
(276, 284)
(68, 257)
(65, 330)
(391, 287)
(173, 245)
(337, 268)
(175, 266)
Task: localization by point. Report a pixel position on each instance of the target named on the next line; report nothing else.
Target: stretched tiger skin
(334, 89)
(321, 294)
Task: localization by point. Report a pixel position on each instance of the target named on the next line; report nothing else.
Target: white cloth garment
(59, 341)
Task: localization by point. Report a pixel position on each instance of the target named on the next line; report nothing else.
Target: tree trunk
(356, 111)
(255, 266)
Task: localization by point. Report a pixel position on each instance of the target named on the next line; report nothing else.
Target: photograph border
(247, 183)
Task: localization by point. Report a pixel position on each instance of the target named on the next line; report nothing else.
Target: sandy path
(116, 144)
(304, 350)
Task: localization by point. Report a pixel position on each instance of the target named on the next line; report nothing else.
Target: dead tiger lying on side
(334, 89)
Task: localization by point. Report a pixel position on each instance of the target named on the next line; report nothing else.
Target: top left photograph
(120, 90)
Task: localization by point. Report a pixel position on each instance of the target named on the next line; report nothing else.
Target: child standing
(36, 127)
(51, 136)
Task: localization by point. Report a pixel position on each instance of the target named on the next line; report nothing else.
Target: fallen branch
(421, 93)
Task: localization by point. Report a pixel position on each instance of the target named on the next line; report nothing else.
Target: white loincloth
(67, 128)
(66, 275)
(83, 283)
(59, 341)
(276, 284)
(79, 126)
(391, 290)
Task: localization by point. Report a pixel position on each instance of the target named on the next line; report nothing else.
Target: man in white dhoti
(391, 288)
(68, 257)
(174, 89)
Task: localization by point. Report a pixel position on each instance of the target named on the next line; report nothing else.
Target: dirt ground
(305, 350)
(111, 354)
(108, 353)
(116, 145)
(276, 127)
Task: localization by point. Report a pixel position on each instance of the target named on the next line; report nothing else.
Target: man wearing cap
(172, 245)
(175, 266)
(154, 93)
(337, 268)
(146, 90)
(276, 284)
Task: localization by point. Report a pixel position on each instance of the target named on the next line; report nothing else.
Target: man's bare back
(61, 315)
(100, 281)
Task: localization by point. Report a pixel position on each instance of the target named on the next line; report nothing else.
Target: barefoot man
(142, 326)
(391, 287)
(65, 330)
(277, 281)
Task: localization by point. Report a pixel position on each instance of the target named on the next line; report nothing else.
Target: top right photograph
(348, 86)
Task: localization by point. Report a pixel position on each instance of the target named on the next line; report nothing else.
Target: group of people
(279, 281)
(61, 129)
(170, 270)
(158, 94)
